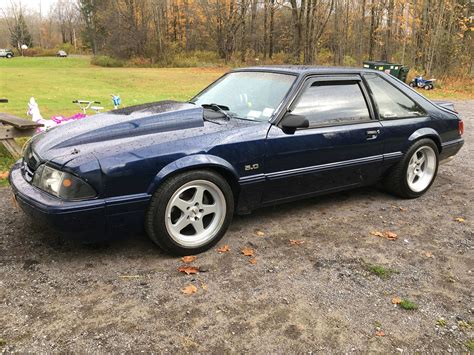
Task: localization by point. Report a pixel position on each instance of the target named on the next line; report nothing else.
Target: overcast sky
(30, 4)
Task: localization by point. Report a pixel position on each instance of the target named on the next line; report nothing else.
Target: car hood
(127, 122)
(128, 129)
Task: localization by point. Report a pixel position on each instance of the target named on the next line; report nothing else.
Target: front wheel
(190, 212)
(416, 172)
(9, 56)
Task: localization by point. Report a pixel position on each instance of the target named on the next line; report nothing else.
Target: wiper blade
(218, 108)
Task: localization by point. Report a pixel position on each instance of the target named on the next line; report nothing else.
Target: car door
(341, 147)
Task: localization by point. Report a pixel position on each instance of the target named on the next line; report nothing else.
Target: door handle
(372, 134)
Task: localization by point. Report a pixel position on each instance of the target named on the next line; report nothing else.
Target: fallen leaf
(259, 233)
(377, 234)
(428, 254)
(396, 300)
(402, 209)
(386, 234)
(189, 290)
(223, 249)
(253, 261)
(188, 269)
(248, 251)
(188, 259)
(380, 333)
(460, 220)
(4, 174)
(204, 286)
(296, 241)
(390, 235)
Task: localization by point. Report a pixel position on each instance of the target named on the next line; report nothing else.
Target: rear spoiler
(446, 104)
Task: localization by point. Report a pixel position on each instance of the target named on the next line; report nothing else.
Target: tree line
(435, 36)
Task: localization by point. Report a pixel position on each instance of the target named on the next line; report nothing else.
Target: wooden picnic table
(12, 127)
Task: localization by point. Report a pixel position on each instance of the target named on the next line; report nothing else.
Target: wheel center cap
(194, 211)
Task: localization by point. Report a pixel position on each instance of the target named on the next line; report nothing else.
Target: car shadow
(140, 245)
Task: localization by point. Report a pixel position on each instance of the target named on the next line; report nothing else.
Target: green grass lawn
(55, 82)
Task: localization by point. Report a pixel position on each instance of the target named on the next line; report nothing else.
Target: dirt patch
(57, 295)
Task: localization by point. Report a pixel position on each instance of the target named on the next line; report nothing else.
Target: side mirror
(292, 122)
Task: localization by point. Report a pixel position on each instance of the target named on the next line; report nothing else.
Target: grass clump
(380, 271)
(408, 305)
(470, 345)
(106, 61)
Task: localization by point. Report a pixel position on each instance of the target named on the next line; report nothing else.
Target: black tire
(396, 181)
(412, 84)
(9, 56)
(155, 219)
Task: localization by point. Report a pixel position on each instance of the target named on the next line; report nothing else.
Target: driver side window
(327, 103)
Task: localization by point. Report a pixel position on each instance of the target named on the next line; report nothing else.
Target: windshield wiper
(218, 108)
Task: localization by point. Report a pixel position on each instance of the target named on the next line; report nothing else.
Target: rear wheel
(416, 172)
(190, 212)
(9, 55)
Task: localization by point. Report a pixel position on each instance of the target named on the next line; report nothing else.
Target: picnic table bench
(12, 127)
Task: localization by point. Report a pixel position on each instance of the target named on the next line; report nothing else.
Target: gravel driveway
(339, 290)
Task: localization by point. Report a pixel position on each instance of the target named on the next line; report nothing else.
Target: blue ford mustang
(255, 137)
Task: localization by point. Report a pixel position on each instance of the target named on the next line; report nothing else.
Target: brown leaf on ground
(223, 249)
(396, 300)
(377, 234)
(253, 261)
(386, 234)
(189, 290)
(259, 233)
(188, 269)
(460, 219)
(402, 209)
(390, 235)
(380, 333)
(188, 259)
(296, 241)
(247, 251)
(4, 174)
(427, 254)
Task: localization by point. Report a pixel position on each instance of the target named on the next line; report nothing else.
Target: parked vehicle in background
(6, 53)
(61, 54)
(255, 137)
(420, 82)
(399, 71)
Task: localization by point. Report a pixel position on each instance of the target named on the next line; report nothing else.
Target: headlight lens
(62, 184)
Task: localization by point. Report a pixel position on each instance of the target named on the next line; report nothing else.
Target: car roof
(306, 69)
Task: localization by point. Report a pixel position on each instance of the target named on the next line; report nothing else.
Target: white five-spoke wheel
(190, 212)
(195, 213)
(421, 168)
(414, 174)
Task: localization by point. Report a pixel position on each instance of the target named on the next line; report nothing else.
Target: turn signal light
(461, 127)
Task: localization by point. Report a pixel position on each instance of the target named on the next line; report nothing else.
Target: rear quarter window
(390, 101)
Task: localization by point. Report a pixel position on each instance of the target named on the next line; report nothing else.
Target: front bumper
(97, 217)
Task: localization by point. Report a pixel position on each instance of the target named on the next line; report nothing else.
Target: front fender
(191, 162)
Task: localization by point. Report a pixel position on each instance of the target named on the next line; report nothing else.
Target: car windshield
(248, 95)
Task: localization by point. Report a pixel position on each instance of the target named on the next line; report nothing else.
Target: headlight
(62, 184)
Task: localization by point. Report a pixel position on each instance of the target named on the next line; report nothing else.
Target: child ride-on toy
(421, 83)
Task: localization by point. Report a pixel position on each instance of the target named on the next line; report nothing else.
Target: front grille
(27, 172)
(30, 164)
